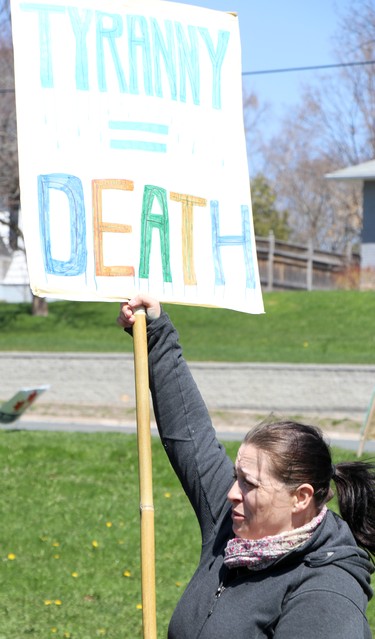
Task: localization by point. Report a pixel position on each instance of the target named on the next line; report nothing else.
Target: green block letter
(152, 221)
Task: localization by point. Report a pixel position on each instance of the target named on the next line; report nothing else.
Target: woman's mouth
(236, 516)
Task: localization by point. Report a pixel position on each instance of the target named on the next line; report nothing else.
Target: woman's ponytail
(355, 487)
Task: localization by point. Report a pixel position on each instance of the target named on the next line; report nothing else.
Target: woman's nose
(234, 493)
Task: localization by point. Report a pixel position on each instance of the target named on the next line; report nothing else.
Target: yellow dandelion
(47, 602)
(167, 495)
(55, 544)
(178, 584)
(101, 631)
(75, 574)
(67, 635)
(57, 602)
(108, 524)
(53, 630)
(127, 573)
(139, 606)
(95, 544)
(11, 556)
(305, 344)
(56, 556)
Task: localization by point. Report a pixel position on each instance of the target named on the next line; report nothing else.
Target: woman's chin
(240, 531)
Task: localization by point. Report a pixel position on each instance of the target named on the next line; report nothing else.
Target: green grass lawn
(310, 327)
(69, 536)
(69, 531)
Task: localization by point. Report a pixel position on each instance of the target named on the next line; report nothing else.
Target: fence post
(309, 266)
(348, 254)
(271, 253)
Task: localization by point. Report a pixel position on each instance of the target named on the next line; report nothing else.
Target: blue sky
(282, 34)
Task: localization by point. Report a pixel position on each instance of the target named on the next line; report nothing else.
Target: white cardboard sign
(133, 164)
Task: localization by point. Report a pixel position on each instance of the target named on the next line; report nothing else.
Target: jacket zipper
(218, 594)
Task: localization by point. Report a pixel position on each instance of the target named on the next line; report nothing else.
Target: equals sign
(144, 144)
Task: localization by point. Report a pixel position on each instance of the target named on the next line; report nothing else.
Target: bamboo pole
(145, 475)
(368, 425)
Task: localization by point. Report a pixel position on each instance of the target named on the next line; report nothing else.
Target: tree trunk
(39, 306)
(13, 225)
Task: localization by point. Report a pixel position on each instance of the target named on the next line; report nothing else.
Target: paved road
(107, 380)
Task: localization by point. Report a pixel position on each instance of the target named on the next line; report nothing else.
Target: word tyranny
(143, 54)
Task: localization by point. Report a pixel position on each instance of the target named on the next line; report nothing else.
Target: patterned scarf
(260, 553)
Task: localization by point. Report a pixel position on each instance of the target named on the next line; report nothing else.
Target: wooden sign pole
(145, 475)
(368, 425)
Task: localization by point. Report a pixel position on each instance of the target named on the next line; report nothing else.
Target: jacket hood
(343, 552)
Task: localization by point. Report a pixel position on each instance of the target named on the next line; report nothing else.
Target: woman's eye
(249, 484)
(243, 481)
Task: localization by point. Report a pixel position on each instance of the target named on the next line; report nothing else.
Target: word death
(144, 55)
(71, 186)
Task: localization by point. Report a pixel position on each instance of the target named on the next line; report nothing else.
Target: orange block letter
(101, 227)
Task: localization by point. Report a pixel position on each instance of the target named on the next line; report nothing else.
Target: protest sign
(11, 410)
(133, 164)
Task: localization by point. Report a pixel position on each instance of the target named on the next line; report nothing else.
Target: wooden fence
(288, 266)
(282, 266)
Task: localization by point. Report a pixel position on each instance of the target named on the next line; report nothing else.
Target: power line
(313, 68)
(286, 70)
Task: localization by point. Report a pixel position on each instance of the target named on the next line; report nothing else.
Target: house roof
(363, 171)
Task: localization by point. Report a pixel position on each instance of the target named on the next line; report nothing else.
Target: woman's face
(261, 505)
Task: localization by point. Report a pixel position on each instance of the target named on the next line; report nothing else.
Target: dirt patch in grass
(241, 420)
(244, 420)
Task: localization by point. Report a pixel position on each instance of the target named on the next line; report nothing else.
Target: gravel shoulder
(100, 388)
(232, 421)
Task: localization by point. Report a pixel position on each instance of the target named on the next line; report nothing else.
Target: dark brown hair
(299, 454)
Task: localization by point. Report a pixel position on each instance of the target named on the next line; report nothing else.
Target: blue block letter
(244, 240)
(110, 33)
(80, 28)
(72, 187)
(217, 59)
(45, 45)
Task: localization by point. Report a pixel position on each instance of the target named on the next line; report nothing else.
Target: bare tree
(355, 42)
(5, 23)
(324, 211)
(9, 175)
(9, 180)
(256, 115)
(333, 126)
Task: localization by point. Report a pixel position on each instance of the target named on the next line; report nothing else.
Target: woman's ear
(302, 497)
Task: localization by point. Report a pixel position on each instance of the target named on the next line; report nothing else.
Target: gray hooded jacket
(319, 591)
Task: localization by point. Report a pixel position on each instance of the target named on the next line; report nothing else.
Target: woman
(275, 562)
